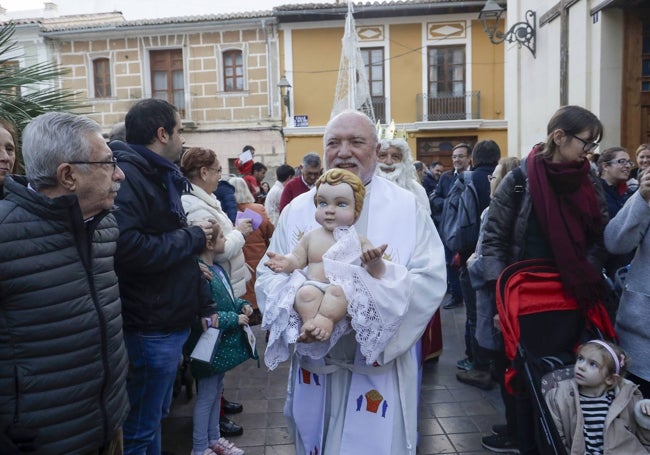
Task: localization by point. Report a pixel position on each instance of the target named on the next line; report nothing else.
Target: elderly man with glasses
(62, 353)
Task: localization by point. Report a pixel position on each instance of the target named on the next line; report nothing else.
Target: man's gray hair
(54, 138)
(311, 160)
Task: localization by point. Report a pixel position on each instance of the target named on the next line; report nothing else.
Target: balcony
(439, 107)
(378, 108)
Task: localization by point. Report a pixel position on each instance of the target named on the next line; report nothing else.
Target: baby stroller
(541, 328)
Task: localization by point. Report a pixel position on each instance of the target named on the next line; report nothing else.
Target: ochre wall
(316, 57)
(405, 71)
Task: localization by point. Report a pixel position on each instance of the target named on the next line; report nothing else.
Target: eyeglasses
(219, 169)
(112, 162)
(621, 162)
(586, 146)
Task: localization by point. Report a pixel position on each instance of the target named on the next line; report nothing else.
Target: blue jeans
(206, 412)
(153, 361)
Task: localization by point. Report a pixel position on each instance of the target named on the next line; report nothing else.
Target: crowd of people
(120, 257)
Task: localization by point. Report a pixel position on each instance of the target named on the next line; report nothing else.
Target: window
(102, 77)
(8, 70)
(373, 59)
(167, 79)
(447, 70)
(446, 83)
(233, 71)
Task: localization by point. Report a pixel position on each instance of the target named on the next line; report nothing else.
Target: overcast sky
(142, 9)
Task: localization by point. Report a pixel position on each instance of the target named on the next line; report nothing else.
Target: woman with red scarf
(561, 216)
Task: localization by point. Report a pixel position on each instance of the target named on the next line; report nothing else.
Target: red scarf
(569, 215)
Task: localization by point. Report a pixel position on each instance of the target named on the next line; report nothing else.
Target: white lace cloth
(370, 312)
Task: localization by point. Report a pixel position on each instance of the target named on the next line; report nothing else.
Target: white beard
(398, 175)
(403, 176)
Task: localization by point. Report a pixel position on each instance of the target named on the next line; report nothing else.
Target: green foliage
(28, 92)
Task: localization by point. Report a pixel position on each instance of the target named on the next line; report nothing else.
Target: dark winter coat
(63, 362)
(161, 285)
(504, 238)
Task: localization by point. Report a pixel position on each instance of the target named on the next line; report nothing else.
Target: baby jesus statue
(320, 304)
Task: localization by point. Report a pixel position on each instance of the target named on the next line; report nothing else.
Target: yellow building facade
(436, 75)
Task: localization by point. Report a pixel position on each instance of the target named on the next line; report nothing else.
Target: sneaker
(476, 378)
(500, 428)
(225, 447)
(207, 451)
(465, 364)
(499, 443)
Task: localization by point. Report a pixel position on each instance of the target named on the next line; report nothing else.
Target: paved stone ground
(452, 416)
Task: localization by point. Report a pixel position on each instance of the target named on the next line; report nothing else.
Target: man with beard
(394, 162)
(161, 286)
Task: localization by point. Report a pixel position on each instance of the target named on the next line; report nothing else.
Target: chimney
(50, 10)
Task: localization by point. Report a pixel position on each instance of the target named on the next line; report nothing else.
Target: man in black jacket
(160, 282)
(63, 362)
(461, 158)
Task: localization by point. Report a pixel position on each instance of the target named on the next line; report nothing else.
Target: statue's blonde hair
(337, 176)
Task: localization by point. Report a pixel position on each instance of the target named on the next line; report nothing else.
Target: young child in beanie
(598, 411)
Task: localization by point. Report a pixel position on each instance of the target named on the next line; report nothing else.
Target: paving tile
(478, 407)
(466, 442)
(435, 445)
(447, 410)
(457, 425)
(436, 396)
(428, 427)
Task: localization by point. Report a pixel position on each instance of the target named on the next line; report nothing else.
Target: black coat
(161, 284)
(63, 362)
(437, 199)
(225, 192)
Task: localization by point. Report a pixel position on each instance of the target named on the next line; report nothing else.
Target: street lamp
(285, 93)
(523, 33)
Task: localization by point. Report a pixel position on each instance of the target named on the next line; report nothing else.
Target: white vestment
(389, 216)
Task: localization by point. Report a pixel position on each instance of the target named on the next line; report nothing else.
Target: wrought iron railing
(448, 107)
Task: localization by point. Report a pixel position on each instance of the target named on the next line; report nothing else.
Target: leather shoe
(229, 428)
(452, 303)
(230, 407)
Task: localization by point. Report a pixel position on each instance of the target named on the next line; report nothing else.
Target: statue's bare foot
(305, 332)
(320, 328)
